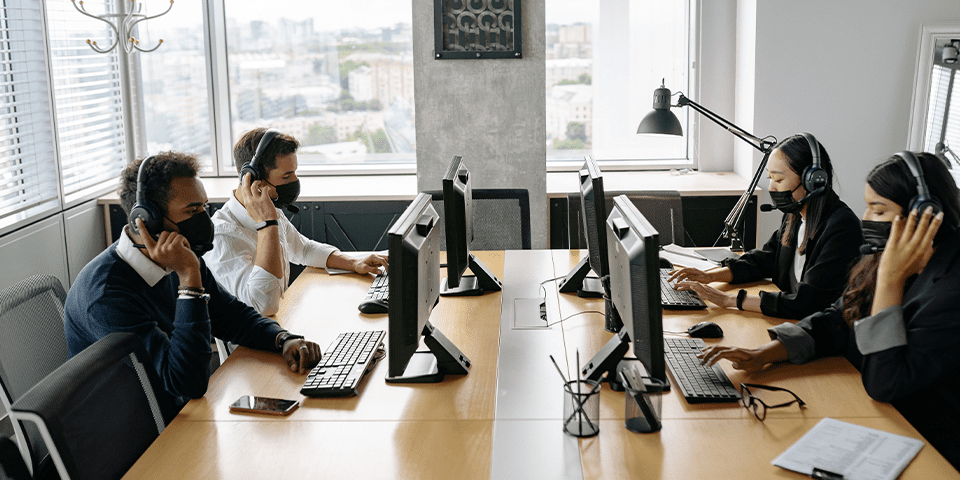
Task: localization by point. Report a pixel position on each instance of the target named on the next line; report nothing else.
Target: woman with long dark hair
(808, 257)
(898, 320)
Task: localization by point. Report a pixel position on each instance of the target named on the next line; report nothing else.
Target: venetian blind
(28, 167)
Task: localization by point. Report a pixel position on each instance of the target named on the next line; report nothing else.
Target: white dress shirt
(235, 248)
(149, 271)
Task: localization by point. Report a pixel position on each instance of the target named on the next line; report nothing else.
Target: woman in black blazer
(898, 320)
(808, 257)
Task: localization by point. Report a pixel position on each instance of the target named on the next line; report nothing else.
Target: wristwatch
(284, 336)
(265, 224)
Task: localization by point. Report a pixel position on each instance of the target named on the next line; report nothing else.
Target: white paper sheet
(856, 452)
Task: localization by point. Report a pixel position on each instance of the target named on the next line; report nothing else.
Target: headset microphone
(766, 207)
(870, 249)
(293, 209)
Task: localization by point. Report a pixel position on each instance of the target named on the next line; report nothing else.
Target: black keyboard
(674, 299)
(698, 383)
(343, 365)
(378, 296)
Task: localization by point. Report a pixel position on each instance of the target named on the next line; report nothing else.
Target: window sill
(559, 184)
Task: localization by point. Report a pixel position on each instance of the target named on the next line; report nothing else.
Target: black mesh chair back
(98, 412)
(32, 344)
(501, 218)
(663, 209)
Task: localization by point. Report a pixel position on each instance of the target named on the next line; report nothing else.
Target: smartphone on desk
(264, 405)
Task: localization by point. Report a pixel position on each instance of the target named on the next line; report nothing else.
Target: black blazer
(922, 378)
(829, 256)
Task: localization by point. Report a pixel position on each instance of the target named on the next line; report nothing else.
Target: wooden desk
(447, 430)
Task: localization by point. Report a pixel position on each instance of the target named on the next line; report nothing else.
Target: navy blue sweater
(110, 296)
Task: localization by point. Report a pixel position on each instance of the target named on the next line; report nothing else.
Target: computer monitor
(633, 247)
(414, 279)
(458, 223)
(594, 207)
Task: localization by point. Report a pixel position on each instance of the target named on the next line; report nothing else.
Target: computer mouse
(373, 306)
(664, 263)
(705, 330)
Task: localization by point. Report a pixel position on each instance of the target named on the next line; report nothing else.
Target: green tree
(585, 79)
(320, 134)
(568, 144)
(577, 131)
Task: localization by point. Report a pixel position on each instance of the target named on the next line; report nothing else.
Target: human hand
(709, 294)
(909, 246)
(370, 264)
(301, 355)
(747, 359)
(257, 198)
(171, 250)
(694, 274)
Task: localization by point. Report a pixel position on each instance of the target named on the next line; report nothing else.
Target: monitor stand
(444, 358)
(482, 280)
(610, 357)
(577, 281)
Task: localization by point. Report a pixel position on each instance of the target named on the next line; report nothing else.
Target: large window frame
(688, 117)
(930, 35)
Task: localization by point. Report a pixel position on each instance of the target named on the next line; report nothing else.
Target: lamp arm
(736, 214)
(754, 141)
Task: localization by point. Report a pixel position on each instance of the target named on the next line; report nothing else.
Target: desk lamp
(661, 121)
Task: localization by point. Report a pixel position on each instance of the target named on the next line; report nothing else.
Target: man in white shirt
(254, 243)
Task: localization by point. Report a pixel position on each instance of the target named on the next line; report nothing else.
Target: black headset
(923, 198)
(814, 176)
(253, 166)
(144, 209)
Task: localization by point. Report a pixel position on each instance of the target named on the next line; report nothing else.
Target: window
(935, 113)
(337, 77)
(943, 117)
(174, 82)
(28, 167)
(87, 100)
(602, 66)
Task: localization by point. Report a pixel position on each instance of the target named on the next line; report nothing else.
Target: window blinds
(938, 112)
(28, 167)
(88, 100)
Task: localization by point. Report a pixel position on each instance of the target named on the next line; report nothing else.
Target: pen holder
(643, 406)
(581, 408)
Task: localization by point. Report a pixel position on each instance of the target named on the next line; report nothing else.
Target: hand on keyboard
(709, 294)
(301, 355)
(747, 359)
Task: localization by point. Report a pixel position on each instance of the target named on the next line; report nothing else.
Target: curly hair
(243, 151)
(158, 175)
(892, 180)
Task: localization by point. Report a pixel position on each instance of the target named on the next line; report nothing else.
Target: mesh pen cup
(581, 408)
(643, 404)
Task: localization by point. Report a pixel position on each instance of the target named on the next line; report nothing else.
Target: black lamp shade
(662, 122)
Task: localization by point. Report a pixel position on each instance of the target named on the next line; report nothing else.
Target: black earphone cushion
(151, 218)
(922, 200)
(814, 176)
(253, 166)
(253, 171)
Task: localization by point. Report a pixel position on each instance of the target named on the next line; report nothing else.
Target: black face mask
(286, 193)
(875, 235)
(784, 201)
(198, 230)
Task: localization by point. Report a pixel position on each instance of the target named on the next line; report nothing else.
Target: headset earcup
(814, 178)
(920, 204)
(247, 168)
(148, 214)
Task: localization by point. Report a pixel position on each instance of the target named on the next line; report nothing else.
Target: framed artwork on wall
(477, 29)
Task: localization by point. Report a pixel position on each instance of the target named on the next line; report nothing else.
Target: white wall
(842, 70)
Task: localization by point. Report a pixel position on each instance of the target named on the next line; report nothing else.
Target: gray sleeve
(882, 331)
(799, 344)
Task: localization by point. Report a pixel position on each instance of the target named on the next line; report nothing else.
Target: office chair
(99, 411)
(501, 218)
(663, 209)
(32, 344)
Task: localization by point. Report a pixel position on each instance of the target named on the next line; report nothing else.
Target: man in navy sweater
(129, 286)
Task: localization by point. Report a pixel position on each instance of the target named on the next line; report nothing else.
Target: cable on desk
(574, 315)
